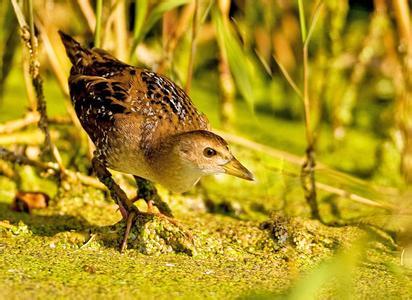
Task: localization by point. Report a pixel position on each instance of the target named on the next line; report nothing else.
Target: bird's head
(209, 153)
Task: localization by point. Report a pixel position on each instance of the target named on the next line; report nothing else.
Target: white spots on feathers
(164, 92)
(108, 74)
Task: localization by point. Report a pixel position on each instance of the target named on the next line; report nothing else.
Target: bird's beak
(235, 168)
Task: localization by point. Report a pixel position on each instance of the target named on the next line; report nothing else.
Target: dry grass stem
(173, 30)
(308, 167)
(404, 91)
(14, 125)
(120, 29)
(30, 41)
(88, 13)
(226, 81)
(296, 160)
(9, 156)
(288, 78)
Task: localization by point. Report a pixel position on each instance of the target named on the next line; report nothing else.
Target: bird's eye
(209, 152)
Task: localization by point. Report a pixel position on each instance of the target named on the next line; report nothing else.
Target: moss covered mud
(233, 239)
(73, 252)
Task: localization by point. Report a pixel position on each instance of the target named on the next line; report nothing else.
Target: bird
(143, 124)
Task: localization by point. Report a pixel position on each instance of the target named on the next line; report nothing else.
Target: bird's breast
(175, 177)
(135, 163)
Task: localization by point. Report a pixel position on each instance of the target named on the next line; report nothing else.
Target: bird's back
(104, 89)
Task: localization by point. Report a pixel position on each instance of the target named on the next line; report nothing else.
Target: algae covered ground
(73, 253)
(233, 239)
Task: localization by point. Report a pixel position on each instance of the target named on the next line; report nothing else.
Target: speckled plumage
(145, 125)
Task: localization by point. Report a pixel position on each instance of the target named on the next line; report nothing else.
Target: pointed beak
(235, 168)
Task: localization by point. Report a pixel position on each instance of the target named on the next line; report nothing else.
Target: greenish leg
(127, 209)
(147, 191)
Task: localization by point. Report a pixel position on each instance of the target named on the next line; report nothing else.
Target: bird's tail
(79, 56)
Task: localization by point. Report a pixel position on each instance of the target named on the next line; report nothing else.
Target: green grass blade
(302, 20)
(140, 16)
(143, 26)
(97, 30)
(239, 62)
(314, 21)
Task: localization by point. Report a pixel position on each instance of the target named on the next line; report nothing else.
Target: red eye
(209, 152)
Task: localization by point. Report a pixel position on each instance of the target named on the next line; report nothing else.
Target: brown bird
(145, 125)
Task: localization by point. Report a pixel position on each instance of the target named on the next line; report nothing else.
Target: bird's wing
(97, 100)
(166, 108)
(154, 103)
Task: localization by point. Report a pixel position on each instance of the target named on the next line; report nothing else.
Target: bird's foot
(160, 214)
(129, 217)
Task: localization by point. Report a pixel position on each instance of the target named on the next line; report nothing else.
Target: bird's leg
(147, 191)
(116, 191)
(127, 209)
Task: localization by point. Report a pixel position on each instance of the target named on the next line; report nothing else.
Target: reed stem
(97, 30)
(309, 165)
(404, 93)
(30, 41)
(302, 20)
(192, 47)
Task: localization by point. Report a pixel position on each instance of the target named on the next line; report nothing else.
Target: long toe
(129, 222)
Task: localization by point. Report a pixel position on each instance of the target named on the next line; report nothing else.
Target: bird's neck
(172, 172)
